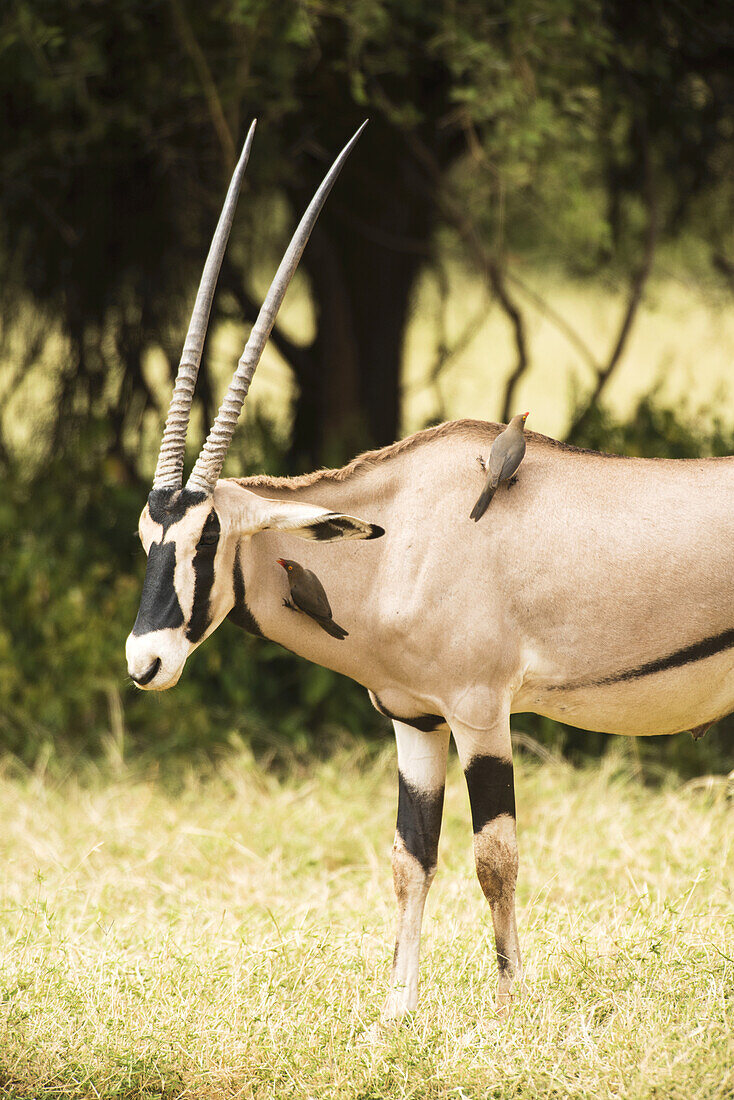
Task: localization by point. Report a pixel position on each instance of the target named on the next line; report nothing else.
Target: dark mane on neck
(481, 431)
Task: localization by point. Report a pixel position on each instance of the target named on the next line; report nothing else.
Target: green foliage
(71, 572)
(551, 118)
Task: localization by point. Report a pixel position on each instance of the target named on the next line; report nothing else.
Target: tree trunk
(371, 242)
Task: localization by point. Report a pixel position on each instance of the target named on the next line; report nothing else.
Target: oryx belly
(626, 604)
(658, 702)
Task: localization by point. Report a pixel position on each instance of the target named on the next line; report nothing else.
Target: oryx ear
(249, 513)
(308, 521)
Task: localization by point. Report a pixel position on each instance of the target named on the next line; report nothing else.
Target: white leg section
(422, 776)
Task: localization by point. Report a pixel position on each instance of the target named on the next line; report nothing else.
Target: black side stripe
(709, 647)
(491, 786)
(419, 821)
(426, 723)
(206, 550)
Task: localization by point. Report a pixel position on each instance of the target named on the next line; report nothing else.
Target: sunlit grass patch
(230, 935)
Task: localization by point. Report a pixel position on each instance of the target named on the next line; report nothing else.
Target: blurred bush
(71, 571)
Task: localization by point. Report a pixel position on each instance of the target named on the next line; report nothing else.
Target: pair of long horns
(203, 478)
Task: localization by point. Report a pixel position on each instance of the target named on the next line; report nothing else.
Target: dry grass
(231, 937)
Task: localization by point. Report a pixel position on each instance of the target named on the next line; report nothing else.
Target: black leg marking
(159, 607)
(419, 821)
(240, 614)
(426, 723)
(491, 788)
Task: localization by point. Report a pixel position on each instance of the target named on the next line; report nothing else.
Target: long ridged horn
(209, 463)
(169, 469)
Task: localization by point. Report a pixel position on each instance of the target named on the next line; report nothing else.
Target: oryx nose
(148, 675)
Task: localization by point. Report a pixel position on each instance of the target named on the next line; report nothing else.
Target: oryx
(599, 591)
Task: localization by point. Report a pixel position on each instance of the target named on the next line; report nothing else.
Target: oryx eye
(210, 539)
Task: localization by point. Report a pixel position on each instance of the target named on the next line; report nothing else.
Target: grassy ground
(230, 935)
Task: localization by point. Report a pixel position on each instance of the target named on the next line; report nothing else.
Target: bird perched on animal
(508, 451)
(307, 595)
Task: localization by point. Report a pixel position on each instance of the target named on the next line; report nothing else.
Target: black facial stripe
(203, 566)
(426, 723)
(709, 647)
(419, 821)
(491, 789)
(168, 506)
(240, 613)
(159, 606)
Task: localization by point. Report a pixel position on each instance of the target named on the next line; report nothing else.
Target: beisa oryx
(599, 591)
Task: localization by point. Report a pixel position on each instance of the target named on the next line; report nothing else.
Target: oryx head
(190, 534)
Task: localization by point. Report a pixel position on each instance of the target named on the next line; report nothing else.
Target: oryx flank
(599, 592)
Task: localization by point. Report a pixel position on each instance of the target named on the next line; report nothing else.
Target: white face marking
(175, 547)
(177, 614)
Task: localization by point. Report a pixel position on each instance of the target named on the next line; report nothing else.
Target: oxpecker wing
(508, 451)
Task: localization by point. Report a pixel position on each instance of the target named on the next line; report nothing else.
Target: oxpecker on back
(508, 451)
(611, 607)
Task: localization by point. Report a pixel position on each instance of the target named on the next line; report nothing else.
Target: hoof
(396, 1008)
(509, 993)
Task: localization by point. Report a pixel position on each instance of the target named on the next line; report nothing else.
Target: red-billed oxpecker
(508, 451)
(610, 607)
(307, 595)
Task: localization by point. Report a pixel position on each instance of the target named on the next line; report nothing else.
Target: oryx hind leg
(421, 780)
(486, 757)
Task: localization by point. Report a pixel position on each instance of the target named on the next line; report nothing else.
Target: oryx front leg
(421, 780)
(486, 757)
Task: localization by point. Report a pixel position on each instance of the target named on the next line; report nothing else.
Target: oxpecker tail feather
(483, 503)
(333, 628)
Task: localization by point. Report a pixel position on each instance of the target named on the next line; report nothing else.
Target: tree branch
(555, 318)
(637, 286)
(209, 88)
(724, 266)
(297, 356)
(445, 352)
(485, 261)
